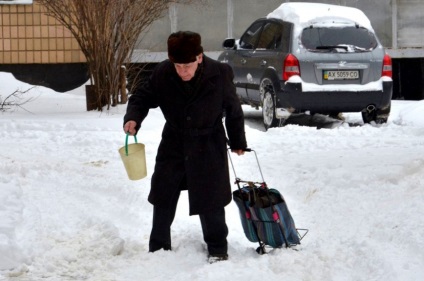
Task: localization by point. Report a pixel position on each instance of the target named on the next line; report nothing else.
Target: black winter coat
(192, 154)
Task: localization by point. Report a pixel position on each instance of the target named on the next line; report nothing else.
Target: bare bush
(107, 32)
(14, 99)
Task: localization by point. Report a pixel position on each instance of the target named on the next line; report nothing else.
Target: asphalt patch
(319, 121)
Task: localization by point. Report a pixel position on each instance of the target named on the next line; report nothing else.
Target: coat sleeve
(140, 102)
(234, 118)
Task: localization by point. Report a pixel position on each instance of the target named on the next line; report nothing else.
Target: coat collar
(210, 68)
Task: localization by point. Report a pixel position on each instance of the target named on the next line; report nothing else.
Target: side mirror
(229, 43)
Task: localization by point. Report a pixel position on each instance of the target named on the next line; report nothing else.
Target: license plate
(341, 74)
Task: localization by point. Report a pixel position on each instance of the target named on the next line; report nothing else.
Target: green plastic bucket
(134, 158)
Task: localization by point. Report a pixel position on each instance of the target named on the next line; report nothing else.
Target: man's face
(187, 70)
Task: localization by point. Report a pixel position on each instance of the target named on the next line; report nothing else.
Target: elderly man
(196, 96)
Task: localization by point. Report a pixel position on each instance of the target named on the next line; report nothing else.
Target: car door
(242, 64)
(265, 55)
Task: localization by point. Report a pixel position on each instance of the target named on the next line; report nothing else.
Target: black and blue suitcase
(264, 214)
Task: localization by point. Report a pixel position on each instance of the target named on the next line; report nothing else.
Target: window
(271, 36)
(316, 37)
(16, 2)
(250, 37)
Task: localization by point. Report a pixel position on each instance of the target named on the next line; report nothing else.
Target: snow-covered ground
(69, 212)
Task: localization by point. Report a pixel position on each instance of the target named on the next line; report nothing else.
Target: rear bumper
(291, 98)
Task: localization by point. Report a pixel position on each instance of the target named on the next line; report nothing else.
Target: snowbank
(69, 212)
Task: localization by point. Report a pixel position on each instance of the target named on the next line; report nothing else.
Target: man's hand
(238, 151)
(129, 127)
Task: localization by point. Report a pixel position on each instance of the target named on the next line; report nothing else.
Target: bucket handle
(126, 143)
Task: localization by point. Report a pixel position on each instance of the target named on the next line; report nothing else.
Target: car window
(250, 37)
(270, 36)
(324, 38)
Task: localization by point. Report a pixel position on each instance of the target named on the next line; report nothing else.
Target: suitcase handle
(257, 161)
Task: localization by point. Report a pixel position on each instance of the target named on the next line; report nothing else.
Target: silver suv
(307, 57)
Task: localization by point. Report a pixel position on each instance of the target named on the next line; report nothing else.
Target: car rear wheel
(268, 104)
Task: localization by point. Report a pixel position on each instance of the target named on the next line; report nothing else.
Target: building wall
(28, 36)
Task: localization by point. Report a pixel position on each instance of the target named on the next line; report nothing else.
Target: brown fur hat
(184, 46)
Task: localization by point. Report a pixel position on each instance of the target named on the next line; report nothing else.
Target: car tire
(268, 104)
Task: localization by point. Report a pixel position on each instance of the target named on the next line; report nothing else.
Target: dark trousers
(213, 224)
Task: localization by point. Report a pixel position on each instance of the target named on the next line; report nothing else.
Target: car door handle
(243, 61)
(263, 62)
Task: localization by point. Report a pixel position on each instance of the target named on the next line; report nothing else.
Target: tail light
(387, 66)
(290, 67)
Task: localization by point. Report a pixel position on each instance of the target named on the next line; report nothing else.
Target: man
(194, 93)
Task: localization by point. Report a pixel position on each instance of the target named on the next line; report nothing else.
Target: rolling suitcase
(264, 214)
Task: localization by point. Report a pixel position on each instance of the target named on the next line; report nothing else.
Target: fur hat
(184, 46)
